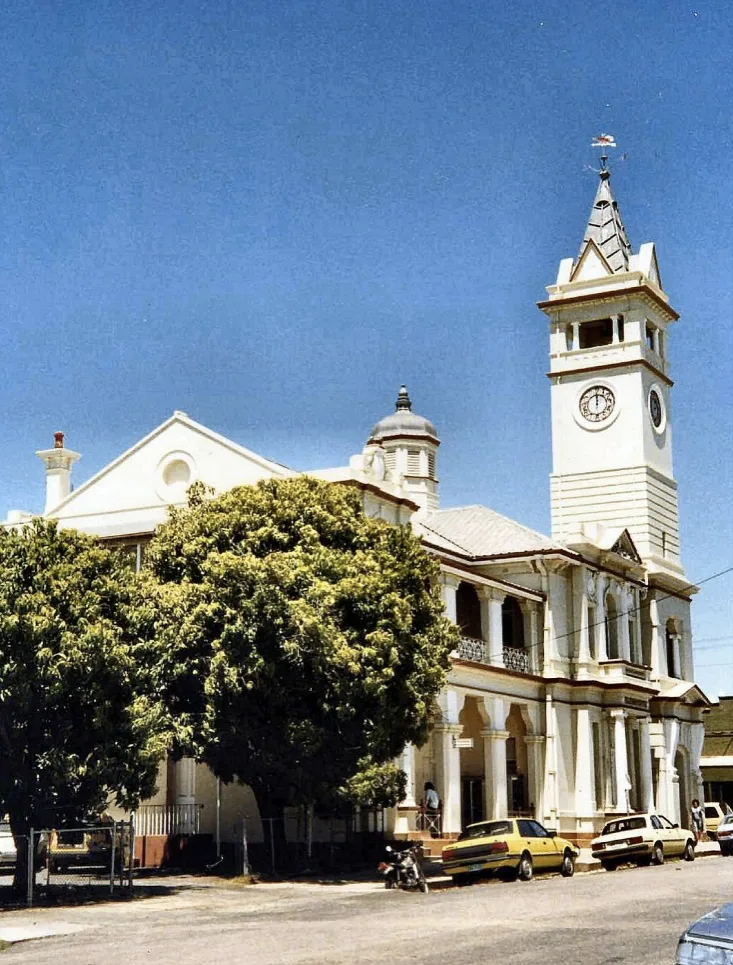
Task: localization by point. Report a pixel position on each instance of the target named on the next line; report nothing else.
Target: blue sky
(270, 215)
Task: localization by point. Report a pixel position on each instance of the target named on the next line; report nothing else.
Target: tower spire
(605, 227)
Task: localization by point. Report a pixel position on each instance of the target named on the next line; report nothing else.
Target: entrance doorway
(472, 800)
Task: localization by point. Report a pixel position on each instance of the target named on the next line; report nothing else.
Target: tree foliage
(303, 643)
(76, 723)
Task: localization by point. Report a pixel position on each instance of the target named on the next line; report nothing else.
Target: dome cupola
(403, 422)
(406, 444)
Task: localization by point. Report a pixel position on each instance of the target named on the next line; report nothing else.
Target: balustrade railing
(516, 659)
(168, 819)
(472, 649)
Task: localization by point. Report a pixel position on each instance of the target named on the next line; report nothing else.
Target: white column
(614, 321)
(186, 794)
(495, 646)
(531, 637)
(601, 618)
(536, 773)
(408, 766)
(624, 641)
(448, 775)
(657, 640)
(576, 335)
(647, 786)
(448, 586)
(495, 782)
(621, 763)
(186, 781)
(584, 775)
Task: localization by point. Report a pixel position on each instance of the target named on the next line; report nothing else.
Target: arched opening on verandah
(473, 778)
(517, 771)
(681, 766)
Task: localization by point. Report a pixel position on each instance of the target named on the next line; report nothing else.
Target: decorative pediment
(591, 264)
(624, 546)
(156, 472)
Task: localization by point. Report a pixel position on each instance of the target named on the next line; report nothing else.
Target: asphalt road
(627, 916)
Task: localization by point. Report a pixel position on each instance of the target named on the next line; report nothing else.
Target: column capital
(496, 735)
(618, 713)
(448, 579)
(534, 739)
(448, 728)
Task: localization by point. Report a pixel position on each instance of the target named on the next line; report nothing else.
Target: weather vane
(604, 141)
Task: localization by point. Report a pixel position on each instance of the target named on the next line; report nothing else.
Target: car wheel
(689, 853)
(567, 869)
(524, 868)
(725, 850)
(658, 853)
(609, 865)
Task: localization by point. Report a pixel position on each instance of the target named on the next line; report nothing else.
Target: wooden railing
(168, 819)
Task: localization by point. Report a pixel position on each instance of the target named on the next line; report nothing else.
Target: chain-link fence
(95, 860)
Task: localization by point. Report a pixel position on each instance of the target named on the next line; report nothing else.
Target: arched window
(512, 624)
(612, 628)
(468, 611)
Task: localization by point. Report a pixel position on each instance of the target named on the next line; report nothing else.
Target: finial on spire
(403, 399)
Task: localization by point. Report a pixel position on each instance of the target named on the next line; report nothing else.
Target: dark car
(709, 940)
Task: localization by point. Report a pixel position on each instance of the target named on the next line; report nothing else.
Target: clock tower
(610, 321)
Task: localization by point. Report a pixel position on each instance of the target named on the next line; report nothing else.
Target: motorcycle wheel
(422, 884)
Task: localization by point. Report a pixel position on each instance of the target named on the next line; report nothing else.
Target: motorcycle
(405, 869)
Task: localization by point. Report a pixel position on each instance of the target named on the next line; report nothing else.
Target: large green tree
(77, 722)
(302, 643)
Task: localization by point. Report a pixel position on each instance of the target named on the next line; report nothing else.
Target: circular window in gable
(175, 473)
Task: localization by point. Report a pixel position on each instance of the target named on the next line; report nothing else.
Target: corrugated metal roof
(606, 228)
(479, 531)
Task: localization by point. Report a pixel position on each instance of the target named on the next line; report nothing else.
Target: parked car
(644, 838)
(89, 846)
(517, 845)
(709, 940)
(8, 852)
(725, 835)
(714, 814)
(7, 845)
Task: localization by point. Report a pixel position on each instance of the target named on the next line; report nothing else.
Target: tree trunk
(20, 831)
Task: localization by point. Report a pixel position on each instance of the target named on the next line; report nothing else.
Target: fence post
(112, 859)
(131, 863)
(31, 869)
(245, 850)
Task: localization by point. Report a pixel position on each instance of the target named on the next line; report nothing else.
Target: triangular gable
(157, 470)
(648, 264)
(624, 546)
(685, 692)
(591, 264)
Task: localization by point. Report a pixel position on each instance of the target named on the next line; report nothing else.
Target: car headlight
(697, 953)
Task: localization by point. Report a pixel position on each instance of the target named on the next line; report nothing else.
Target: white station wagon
(644, 838)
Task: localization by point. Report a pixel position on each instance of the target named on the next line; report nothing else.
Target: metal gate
(96, 858)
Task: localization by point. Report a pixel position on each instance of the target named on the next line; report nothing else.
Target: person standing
(697, 814)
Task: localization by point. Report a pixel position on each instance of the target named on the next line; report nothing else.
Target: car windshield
(728, 819)
(487, 829)
(625, 824)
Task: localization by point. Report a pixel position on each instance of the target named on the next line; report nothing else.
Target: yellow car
(517, 845)
(643, 838)
(714, 814)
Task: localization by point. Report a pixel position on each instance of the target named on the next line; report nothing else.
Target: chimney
(59, 462)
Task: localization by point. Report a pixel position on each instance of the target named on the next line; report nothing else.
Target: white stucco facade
(571, 696)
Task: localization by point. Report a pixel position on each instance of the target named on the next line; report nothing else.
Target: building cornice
(605, 366)
(646, 291)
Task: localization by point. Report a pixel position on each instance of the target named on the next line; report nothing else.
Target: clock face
(597, 403)
(655, 408)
